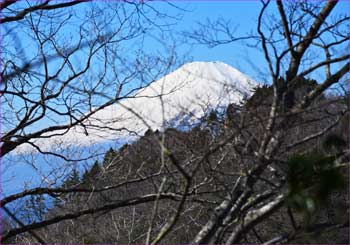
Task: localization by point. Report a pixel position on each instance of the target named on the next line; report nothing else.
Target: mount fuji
(185, 94)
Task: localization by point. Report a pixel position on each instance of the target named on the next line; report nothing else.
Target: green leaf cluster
(313, 177)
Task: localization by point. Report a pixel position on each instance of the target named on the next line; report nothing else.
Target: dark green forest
(313, 175)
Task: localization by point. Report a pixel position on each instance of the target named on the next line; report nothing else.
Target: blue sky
(243, 15)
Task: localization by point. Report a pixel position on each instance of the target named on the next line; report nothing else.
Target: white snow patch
(194, 87)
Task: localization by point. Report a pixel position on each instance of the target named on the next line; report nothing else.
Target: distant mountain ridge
(184, 94)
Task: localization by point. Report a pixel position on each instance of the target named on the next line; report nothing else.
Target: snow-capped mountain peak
(188, 91)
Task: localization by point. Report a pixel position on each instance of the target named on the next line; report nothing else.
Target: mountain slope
(186, 93)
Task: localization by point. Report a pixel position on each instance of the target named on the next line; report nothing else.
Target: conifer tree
(109, 156)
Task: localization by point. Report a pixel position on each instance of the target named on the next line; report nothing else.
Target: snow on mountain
(190, 90)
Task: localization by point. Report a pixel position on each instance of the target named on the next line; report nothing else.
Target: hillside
(178, 99)
(125, 186)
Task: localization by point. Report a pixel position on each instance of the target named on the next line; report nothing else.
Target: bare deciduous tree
(242, 178)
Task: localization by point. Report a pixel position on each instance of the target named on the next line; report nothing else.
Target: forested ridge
(120, 190)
